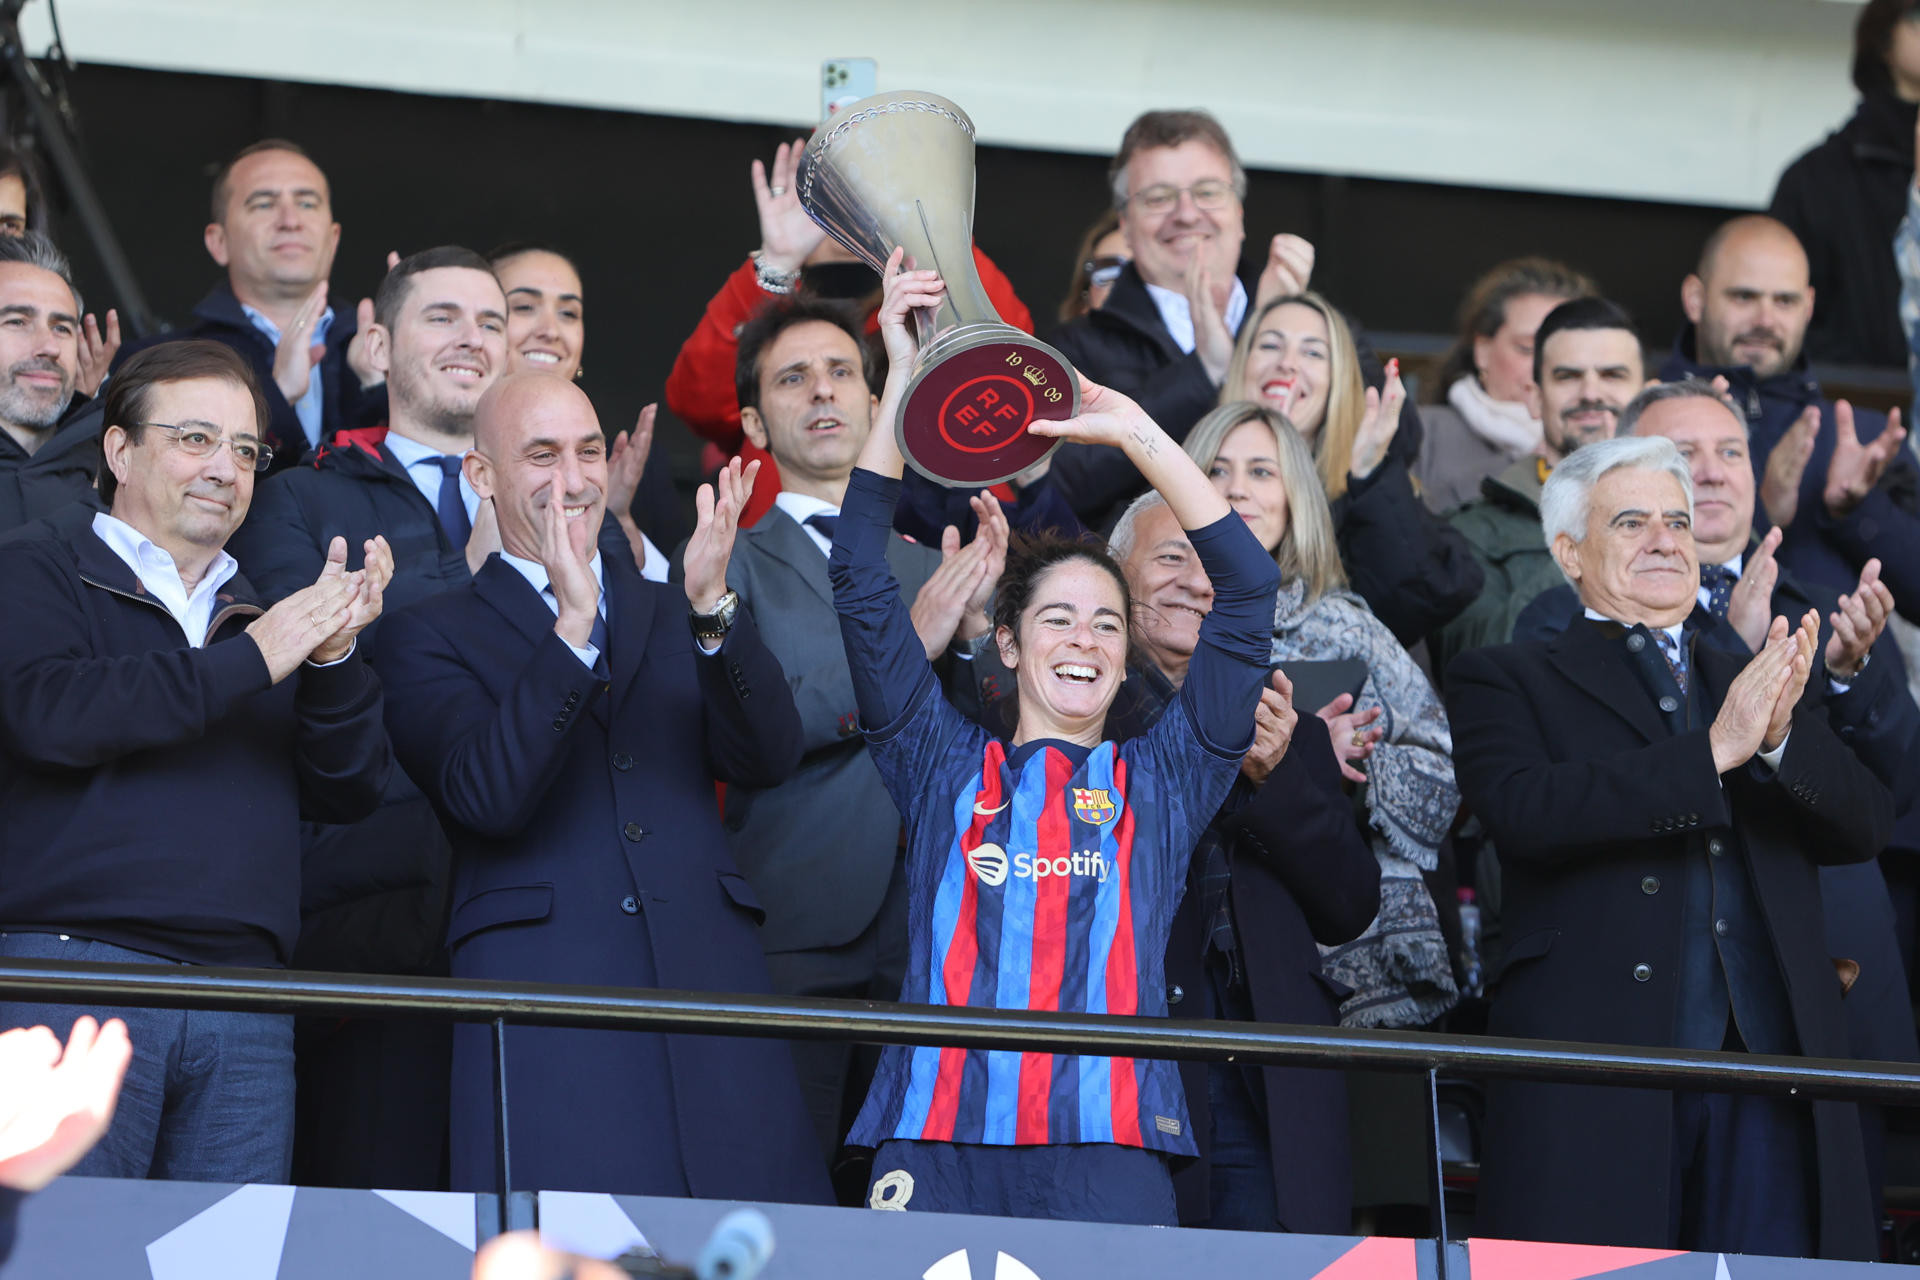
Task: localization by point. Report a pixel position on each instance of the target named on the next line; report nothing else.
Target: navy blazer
(588, 850)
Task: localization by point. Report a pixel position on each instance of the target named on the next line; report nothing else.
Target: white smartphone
(846, 80)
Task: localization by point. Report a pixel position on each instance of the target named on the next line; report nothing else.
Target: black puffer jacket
(57, 474)
(1845, 199)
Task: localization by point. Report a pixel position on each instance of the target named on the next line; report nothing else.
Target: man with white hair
(1660, 809)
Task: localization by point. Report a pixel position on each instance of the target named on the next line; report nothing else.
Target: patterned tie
(1676, 660)
(825, 523)
(598, 636)
(452, 510)
(1718, 581)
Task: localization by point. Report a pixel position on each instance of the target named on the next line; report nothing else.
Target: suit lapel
(779, 536)
(502, 586)
(1598, 665)
(630, 608)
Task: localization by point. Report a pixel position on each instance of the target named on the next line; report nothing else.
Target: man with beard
(1834, 480)
(273, 232)
(45, 464)
(1586, 367)
(836, 909)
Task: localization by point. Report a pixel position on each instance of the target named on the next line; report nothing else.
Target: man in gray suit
(823, 849)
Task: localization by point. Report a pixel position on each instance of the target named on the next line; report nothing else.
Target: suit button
(1176, 993)
(1693, 819)
(622, 761)
(1635, 643)
(1669, 704)
(634, 832)
(1716, 846)
(630, 905)
(1643, 973)
(1650, 885)
(559, 725)
(1721, 927)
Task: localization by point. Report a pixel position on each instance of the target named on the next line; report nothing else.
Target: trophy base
(964, 420)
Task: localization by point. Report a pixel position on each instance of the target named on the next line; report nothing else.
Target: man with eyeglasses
(272, 231)
(162, 734)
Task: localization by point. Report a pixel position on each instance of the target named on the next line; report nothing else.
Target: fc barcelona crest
(1093, 804)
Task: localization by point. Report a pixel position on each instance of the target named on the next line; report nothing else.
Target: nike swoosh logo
(987, 813)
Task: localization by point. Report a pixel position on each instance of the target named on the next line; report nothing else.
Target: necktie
(1676, 662)
(1718, 581)
(452, 511)
(598, 636)
(825, 523)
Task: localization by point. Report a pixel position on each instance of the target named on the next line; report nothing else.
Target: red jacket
(700, 388)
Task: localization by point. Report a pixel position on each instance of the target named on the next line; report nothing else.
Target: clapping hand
(1857, 623)
(788, 236)
(1207, 304)
(296, 353)
(54, 1103)
(1780, 482)
(357, 358)
(1288, 271)
(626, 464)
(97, 352)
(1855, 468)
(1379, 424)
(952, 603)
(566, 551)
(1273, 723)
(1757, 711)
(374, 575)
(1353, 740)
(1750, 606)
(293, 630)
(717, 510)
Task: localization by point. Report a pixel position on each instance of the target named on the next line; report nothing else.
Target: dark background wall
(657, 210)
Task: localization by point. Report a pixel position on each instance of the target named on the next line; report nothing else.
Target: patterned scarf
(1399, 968)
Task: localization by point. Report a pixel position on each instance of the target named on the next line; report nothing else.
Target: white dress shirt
(1177, 313)
(423, 468)
(160, 575)
(803, 507)
(536, 573)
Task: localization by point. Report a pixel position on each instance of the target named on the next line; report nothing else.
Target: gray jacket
(1454, 459)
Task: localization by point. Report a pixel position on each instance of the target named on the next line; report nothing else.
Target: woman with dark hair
(1297, 356)
(1480, 423)
(1845, 197)
(1096, 265)
(1043, 870)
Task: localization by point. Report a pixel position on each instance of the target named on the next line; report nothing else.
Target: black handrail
(783, 1017)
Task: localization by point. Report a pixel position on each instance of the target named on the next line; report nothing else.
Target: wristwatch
(770, 278)
(711, 628)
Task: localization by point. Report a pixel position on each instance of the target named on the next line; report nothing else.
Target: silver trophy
(897, 169)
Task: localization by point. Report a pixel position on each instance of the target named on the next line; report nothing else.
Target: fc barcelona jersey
(1050, 884)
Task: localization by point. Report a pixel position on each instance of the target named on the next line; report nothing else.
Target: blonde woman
(1399, 968)
(1296, 357)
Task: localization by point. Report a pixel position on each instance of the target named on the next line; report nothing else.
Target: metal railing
(1105, 1035)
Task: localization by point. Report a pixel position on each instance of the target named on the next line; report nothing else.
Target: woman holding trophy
(1043, 870)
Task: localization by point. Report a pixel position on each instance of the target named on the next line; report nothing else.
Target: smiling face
(1505, 361)
(1714, 443)
(546, 320)
(447, 345)
(183, 503)
(815, 409)
(1171, 592)
(531, 428)
(1071, 652)
(1246, 471)
(1637, 562)
(39, 347)
(1587, 378)
(276, 235)
(1164, 244)
(1754, 303)
(1290, 366)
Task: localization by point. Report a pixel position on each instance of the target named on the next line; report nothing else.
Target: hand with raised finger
(357, 358)
(1855, 468)
(788, 236)
(1353, 732)
(1857, 623)
(97, 352)
(717, 510)
(1750, 605)
(296, 354)
(1273, 723)
(1780, 481)
(1379, 424)
(1207, 304)
(1288, 271)
(58, 1101)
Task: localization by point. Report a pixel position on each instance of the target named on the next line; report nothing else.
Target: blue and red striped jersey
(1050, 885)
